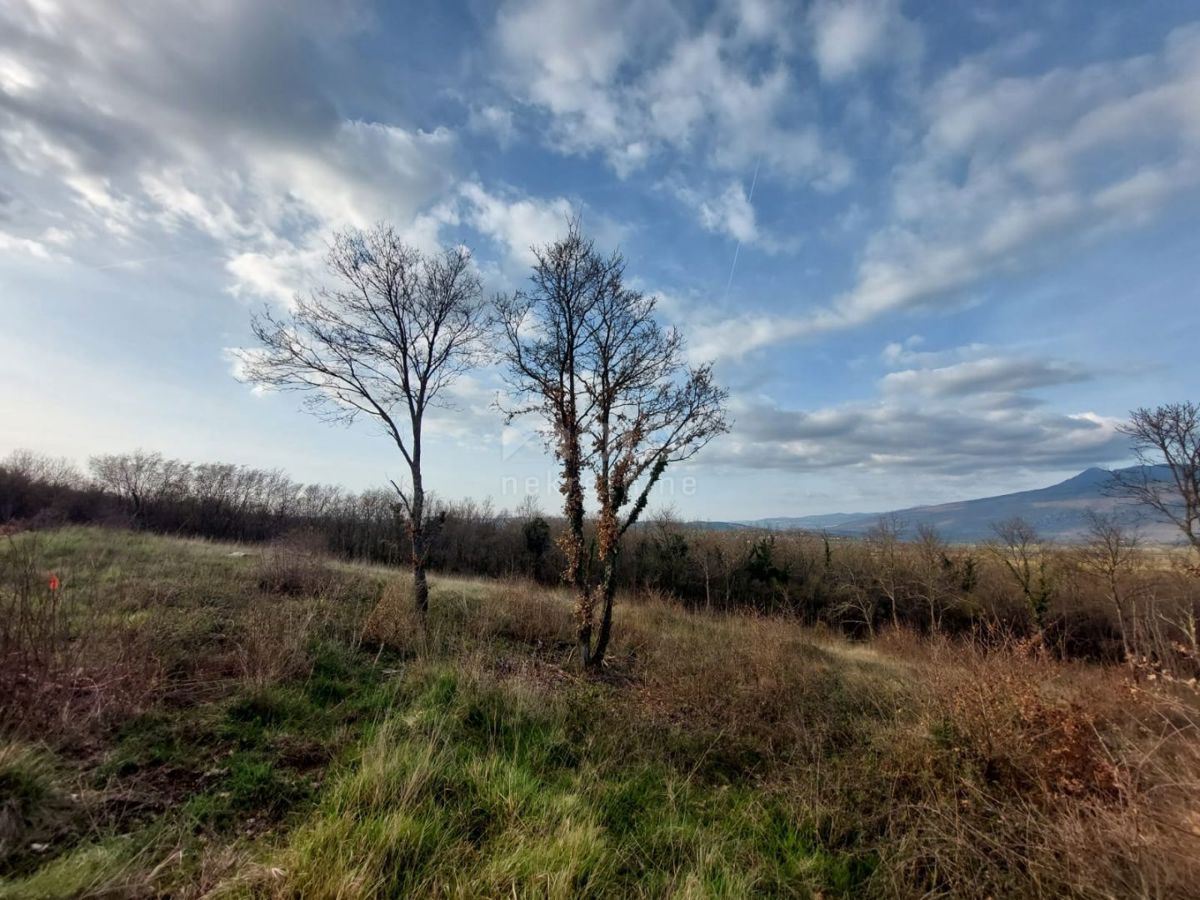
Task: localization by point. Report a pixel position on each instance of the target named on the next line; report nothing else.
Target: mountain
(1059, 511)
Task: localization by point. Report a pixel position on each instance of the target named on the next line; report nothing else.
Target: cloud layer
(980, 414)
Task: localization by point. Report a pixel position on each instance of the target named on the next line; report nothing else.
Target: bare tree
(385, 341)
(1027, 559)
(856, 601)
(139, 478)
(1111, 554)
(649, 411)
(711, 557)
(888, 569)
(588, 355)
(55, 471)
(546, 331)
(1169, 436)
(936, 573)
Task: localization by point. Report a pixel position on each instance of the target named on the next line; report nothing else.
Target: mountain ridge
(1059, 511)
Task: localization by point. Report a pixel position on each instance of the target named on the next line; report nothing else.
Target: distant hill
(1059, 511)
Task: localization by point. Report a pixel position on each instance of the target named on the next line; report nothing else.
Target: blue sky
(935, 250)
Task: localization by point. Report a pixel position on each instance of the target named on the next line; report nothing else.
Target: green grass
(480, 790)
(35, 806)
(107, 866)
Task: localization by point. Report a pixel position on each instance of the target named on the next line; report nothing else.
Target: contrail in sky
(738, 248)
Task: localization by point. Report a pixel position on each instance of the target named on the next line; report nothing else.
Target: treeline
(222, 501)
(1106, 598)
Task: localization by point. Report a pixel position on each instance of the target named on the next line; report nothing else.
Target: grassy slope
(281, 726)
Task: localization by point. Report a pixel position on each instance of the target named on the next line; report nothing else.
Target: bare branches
(384, 340)
(611, 384)
(1024, 554)
(546, 329)
(1111, 553)
(1166, 436)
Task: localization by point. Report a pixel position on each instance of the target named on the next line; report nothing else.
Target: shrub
(394, 621)
(295, 566)
(998, 720)
(274, 641)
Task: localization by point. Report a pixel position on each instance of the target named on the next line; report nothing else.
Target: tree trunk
(572, 543)
(420, 551)
(608, 593)
(420, 583)
(583, 635)
(1114, 590)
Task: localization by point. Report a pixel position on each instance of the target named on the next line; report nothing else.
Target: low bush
(295, 566)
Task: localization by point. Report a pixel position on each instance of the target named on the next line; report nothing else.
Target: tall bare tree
(587, 354)
(384, 340)
(1169, 436)
(546, 330)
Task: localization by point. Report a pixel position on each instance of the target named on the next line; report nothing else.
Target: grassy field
(193, 719)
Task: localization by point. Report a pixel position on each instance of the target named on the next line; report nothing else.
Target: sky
(935, 251)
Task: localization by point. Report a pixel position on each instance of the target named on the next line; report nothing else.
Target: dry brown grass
(525, 614)
(972, 770)
(1017, 774)
(275, 639)
(296, 566)
(394, 621)
(69, 657)
(756, 676)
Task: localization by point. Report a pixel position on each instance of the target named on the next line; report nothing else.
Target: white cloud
(995, 375)
(496, 121)
(518, 224)
(730, 212)
(887, 436)
(12, 244)
(568, 52)
(761, 20)
(850, 35)
(276, 276)
(908, 353)
(720, 339)
(631, 81)
(239, 360)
